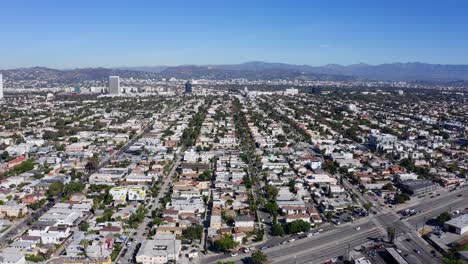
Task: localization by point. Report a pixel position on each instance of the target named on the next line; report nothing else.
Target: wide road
(319, 247)
(334, 242)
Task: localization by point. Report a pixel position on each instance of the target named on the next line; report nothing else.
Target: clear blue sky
(68, 34)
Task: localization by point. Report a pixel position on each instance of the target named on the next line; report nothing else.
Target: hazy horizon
(110, 34)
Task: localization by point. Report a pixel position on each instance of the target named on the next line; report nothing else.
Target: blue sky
(69, 34)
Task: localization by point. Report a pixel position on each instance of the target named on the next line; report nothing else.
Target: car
(291, 240)
(320, 230)
(460, 195)
(398, 250)
(310, 234)
(358, 228)
(233, 254)
(264, 248)
(300, 233)
(417, 251)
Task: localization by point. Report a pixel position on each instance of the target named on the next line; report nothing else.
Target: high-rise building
(114, 85)
(1, 87)
(188, 88)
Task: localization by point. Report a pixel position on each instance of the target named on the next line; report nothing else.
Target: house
(136, 193)
(294, 217)
(17, 210)
(245, 222)
(12, 257)
(33, 198)
(119, 193)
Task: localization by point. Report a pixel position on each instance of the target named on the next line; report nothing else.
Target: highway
(335, 241)
(327, 243)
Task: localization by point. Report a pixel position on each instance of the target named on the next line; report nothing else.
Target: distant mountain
(153, 69)
(249, 70)
(254, 70)
(71, 76)
(415, 71)
(389, 72)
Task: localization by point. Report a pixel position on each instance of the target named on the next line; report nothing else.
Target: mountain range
(414, 71)
(253, 71)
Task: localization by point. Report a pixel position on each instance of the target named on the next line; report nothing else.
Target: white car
(233, 254)
(291, 240)
(358, 228)
(310, 234)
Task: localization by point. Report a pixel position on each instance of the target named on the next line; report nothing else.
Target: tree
(74, 187)
(60, 147)
(92, 163)
(258, 257)
(224, 244)
(84, 226)
(277, 230)
(298, 226)
(204, 176)
(272, 208)
(193, 232)
(401, 198)
(391, 234)
(367, 206)
(271, 192)
(55, 189)
(443, 217)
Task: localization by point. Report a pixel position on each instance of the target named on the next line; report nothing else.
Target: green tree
(224, 244)
(204, 176)
(391, 234)
(401, 198)
(443, 217)
(367, 206)
(258, 257)
(84, 226)
(193, 232)
(55, 189)
(277, 230)
(272, 208)
(298, 226)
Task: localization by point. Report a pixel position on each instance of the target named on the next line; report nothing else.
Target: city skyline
(88, 34)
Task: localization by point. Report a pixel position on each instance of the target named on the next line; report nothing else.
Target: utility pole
(348, 251)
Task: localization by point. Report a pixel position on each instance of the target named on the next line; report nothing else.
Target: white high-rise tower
(114, 85)
(1, 87)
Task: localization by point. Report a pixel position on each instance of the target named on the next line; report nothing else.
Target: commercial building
(382, 141)
(291, 91)
(458, 225)
(162, 249)
(1, 87)
(114, 85)
(188, 88)
(417, 187)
